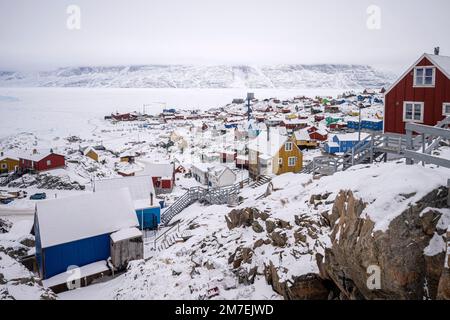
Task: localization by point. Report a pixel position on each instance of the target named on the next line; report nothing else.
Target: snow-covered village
(176, 182)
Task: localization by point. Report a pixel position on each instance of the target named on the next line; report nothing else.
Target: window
(288, 146)
(413, 111)
(4, 166)
(424, 76)
(292, 161)
(446, 109)
(49, 162)
(280, 161)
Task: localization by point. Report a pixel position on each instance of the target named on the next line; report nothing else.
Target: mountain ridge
(283, 76)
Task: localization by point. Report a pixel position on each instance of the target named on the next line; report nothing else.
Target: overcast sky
(34, 34)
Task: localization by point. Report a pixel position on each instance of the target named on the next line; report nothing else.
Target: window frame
(280, 161)
(289, 161)
(444, 106)
(48, 162)
(424, 85)
(414, 103)
(286, 146)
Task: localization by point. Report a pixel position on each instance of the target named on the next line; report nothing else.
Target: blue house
(366, 124)
(340, 143)
(148, 210)
(76, 231)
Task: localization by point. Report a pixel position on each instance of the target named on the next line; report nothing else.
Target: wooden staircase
(375, 147)
(218, 196)
(261, 180)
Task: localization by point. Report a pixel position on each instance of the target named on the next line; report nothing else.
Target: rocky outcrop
(305, 287)
(5, 226)
(356, 251)
(241, 217)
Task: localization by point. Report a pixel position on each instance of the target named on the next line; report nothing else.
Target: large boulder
(305, 287)
(406, 272)
(241, 217)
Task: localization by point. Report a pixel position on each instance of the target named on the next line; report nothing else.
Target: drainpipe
(151, 198)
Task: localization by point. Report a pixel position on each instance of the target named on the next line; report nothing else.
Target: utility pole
(250, 96)
(359, 124)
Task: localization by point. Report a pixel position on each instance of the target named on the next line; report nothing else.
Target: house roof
(38, 156)
(79, 217)
(139, 187)
(268, 148)
(163, 169)
(88, 149)
(440, 62)
(350, 136)
(302, 135)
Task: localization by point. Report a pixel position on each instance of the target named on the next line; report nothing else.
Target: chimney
(436, 51)
(151, 198)
(268, 133)
(1, 154)
(34, 151)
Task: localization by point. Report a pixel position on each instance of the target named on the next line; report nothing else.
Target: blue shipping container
(149, 218)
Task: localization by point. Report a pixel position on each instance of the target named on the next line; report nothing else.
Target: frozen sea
(68, 111)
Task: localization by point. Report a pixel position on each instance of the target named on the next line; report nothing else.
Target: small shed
(126, 245)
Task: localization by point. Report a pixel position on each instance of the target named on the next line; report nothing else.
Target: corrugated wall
(58, 258)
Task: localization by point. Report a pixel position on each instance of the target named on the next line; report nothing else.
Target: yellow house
(91, 153)
(8, 163)
(303, 139)
(272, 153)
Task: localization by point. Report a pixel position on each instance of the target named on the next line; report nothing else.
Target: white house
(213, 175)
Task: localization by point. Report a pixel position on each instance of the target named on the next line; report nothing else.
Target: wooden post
(409, 145)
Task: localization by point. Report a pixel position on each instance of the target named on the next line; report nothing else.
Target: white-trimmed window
(446, 109)
(280, 161)
(292, 161)
(424, 76)
(413, 111)
(49, 162)
(288, 146)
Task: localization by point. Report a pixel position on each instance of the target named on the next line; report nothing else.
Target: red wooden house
(421, 94)
(123, 117)
(316, 134)
(162, 174)
(41, 161)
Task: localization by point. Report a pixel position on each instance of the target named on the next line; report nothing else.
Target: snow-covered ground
(43, 118)
(187, 270)
(69, 111)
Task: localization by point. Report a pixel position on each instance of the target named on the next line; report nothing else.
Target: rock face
(238, 218)
(305, 287)
(405, 272)
(5, 226)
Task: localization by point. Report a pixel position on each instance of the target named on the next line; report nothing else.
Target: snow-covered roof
(79, 217)
(152, 169)
(84, 271)
(351, 136)
(35, 156)
(9, 155)
(88, 149)
(124, 234)
(140, 187)
(302, 135)
(269, 148)
(443, 62)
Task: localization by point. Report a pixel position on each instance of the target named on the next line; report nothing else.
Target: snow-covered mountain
(190, 76)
